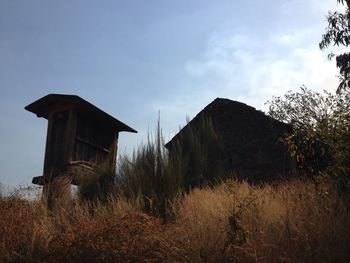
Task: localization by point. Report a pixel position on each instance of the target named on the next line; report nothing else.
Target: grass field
(296, 221)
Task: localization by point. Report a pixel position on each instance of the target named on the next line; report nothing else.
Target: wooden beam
(70, 135)
(114, 152)
(92, 144)
(47, 162)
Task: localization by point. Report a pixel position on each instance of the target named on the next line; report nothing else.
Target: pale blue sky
(133, 58)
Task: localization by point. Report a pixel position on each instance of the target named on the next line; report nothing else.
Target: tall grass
(157, 174)
(99, 185)
(292, 221)
(196, 152)
(232, 222)
(149, 174)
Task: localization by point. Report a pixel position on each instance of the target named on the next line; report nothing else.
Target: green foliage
(338, 34)
(321, 138)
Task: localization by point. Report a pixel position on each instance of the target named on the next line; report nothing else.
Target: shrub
(321, 138)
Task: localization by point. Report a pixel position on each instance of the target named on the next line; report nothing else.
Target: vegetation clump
(321, 133)
(231, 222)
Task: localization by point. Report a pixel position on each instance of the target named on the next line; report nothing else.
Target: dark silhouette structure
(80, 137)
(250, 144)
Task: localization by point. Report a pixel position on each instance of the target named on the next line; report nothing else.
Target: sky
(134, 59)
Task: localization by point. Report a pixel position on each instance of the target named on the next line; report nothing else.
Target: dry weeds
(233, 222)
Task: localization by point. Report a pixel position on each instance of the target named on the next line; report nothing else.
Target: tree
(321, 131)
(338, 34)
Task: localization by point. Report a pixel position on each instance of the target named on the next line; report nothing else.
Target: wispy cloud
(255, 69)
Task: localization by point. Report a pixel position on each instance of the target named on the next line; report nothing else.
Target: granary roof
(222, 104)
(49, 103)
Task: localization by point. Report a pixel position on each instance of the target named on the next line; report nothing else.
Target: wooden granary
(80, 137)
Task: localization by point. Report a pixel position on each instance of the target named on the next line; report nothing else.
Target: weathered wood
(98, 147)
(39, 180)
(48, 146)
(70, 136)
(60, 102)
(77, 168)
(60, 121)
(114, 152)
(80, 137)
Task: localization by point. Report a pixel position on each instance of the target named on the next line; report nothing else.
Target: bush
(321, 125)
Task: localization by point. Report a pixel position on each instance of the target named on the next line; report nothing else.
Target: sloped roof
(47, 104)
(222, 104)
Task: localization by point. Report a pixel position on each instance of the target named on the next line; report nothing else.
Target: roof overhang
(46, 105)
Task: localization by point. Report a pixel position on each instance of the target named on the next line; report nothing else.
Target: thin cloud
(254, 71)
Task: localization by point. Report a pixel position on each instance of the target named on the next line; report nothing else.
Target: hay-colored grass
(232, 222)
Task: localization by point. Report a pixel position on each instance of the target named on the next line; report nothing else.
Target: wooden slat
(39, 180)
(84, 163)
(70, 136)
(92, 144)
(114, 152)
(48, 147)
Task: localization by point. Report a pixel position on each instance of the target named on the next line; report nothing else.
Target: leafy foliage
(338, 34)
(321, 124)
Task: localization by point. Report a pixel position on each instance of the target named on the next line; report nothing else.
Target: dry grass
(292, 222)
(233, 222)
